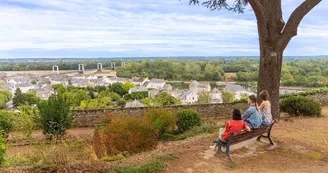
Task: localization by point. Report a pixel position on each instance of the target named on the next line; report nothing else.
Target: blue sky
(113, 28)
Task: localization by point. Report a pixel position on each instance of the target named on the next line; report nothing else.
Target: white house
(80, 82)
(138, 81)
(155, 84)
(58, 79)
(23, 87)
(16, 81)
(197, 87)
(189, 97)
(238, 90)
(216, 96)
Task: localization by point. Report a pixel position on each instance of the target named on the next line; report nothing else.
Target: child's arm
(248, 129)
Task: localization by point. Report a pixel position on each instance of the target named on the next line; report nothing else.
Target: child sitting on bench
(235, 125)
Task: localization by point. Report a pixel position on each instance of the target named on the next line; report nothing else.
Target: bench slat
(247, 135)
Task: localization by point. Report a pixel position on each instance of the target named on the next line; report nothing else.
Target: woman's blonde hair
(264, 95)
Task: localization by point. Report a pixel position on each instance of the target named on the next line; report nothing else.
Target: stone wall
(84, 118)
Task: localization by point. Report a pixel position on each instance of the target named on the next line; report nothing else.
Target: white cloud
(108, 25)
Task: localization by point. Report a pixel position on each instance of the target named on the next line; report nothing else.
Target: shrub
(124, 134)
(187, 119)
(3, 148)
(163, 120)
(6, 122)
(55, 116)
(298, 105)
(24, 122)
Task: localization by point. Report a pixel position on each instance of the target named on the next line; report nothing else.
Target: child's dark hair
(236, 115)
(252, 98)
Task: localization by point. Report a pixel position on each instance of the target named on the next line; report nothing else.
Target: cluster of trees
(312, 73)
(20, 98)
(174, 70)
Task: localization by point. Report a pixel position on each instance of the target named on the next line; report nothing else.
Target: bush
(55, 116)
(6, 122)
(124, 134)
(187, 119)
(298, 105)
(161, 119)
(3, 148)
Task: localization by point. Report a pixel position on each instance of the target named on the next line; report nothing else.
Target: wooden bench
(236, 138)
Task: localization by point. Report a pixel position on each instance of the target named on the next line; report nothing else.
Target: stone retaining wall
(85, 118)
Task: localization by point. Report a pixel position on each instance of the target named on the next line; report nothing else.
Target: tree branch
(294, 21)
(261, 19)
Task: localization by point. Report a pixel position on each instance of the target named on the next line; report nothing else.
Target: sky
(137, 28)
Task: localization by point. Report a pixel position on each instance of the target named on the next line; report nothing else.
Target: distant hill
(33, 60)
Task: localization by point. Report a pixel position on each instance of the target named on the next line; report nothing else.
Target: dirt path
(301, 146)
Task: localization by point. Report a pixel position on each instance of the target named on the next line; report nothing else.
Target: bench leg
(268, 136)
(228, 153)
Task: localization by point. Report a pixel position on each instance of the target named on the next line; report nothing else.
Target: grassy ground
(301, 146)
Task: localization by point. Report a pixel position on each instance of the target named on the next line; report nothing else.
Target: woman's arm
(263, 104)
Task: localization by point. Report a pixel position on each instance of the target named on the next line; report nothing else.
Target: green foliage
(55, 116)
(24, 98)
(79, 96)
(154, 166)
(187, 119)
(18, 98)
(6, 122)
(204, 98)
(3, 148)
(228, 97)
(24, 122)
(162, 119)
(196, 130)
(33, 82)
(124, 133)
(127, 86)
(121, 103)
(5, 96)
(114, 96)
(146, 101)
(151, 167)
(117, 88)
(298, 105)
(139, 95)
(165, 99)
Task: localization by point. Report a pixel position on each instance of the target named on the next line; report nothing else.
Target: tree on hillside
(274, 36)
(165, 99)
(204, 98)
(18, 98)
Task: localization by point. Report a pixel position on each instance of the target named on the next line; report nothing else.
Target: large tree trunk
(274, 35)
(269, 76)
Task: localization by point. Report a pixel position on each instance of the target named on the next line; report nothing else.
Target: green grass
(317, 156)
(154, 166)
(197, 130)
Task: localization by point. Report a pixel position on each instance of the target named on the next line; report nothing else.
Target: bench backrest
(237, 138)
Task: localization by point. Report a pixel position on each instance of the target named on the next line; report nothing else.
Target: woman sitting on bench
(252, 116)
(265, 109)
(235, 125)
